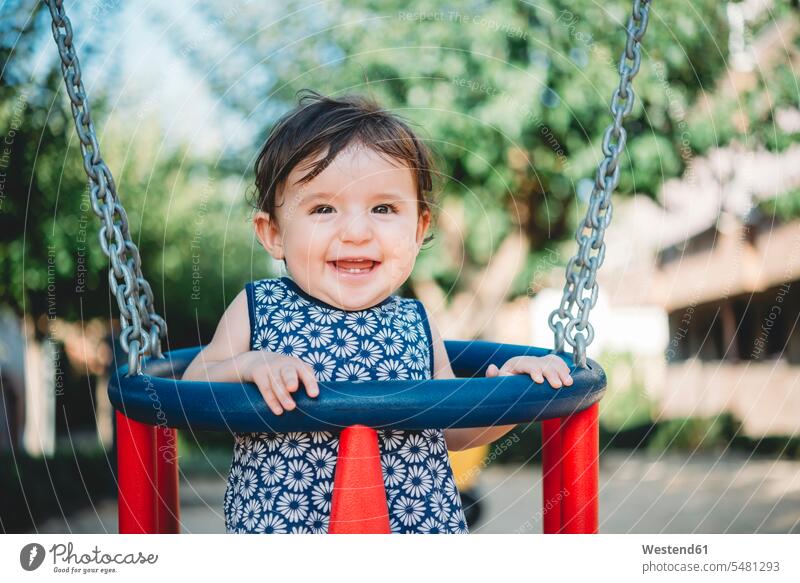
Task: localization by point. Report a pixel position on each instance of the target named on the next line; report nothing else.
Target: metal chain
(570, 321)
(142, 327)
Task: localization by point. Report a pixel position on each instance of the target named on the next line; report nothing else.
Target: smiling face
(350, 236)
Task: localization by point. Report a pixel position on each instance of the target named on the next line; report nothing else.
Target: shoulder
(236, 313)
(233, 331)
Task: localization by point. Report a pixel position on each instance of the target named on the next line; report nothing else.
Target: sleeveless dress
(283, 482)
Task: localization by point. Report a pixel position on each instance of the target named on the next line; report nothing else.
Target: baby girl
(344, 200)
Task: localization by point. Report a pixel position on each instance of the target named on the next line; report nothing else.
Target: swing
(151, 403)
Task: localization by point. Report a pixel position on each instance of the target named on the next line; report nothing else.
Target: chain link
(570, 321)
(142, 328)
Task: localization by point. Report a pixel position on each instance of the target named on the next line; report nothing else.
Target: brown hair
(322, 123)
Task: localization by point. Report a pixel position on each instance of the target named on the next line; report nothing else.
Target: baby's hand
(278, 375)
(551, 366)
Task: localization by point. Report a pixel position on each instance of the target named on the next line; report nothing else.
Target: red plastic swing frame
(148, 478)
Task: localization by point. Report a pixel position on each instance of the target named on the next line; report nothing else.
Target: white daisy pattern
(271, 523)
(295, 444)
(389, 341)
(294, 301)
(435, 440)
(273, 470)
(439, 505)
(414, 358)
(248, 483)
(368, 353)
(262, 314)
(410, 510)
(431, 526)
(267, 496)
(283, 482)
(299, 475)
(292, 346)
(344, 344)
(268, 292)
(352, 372)
(286, 320)
(324, 316)
(317, 335)
(271, 439)
(293, 506)
(437, 470)
(362, 323)
(252, 512)
(418, 482)
(317, 522)
(266, 339)
(394, 470)
(258, 451)
(392, 438)
(415, 449)
(321, 363)
(391, 370)
(323, 461)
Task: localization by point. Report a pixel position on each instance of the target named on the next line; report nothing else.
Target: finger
(509, 368)
(265, 388)
(562, 369)
(552, 377)
(562, 366)
(492, 371)
(527, 368)
(289, 378)
(280, 391)
(272, 402)
(309, 380)
(536, 375)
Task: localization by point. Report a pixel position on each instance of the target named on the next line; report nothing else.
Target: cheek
(401, 246)
(311, 237)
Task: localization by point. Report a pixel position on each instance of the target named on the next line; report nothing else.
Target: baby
(344, 201)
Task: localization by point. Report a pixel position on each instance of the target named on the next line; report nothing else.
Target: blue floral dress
(283, 482)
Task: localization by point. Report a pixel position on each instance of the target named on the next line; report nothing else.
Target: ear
(268, 234)
(423, 223)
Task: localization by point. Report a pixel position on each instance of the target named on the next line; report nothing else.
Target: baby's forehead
(354, 171)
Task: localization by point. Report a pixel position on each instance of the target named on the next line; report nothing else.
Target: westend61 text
(670, 550)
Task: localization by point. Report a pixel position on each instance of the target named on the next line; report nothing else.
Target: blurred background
(696, 322)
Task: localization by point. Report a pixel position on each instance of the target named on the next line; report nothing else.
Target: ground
(708, 493)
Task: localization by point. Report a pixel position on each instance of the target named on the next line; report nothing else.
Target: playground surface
(639, 493)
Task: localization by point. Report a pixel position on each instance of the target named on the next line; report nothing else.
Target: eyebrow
(327, 195)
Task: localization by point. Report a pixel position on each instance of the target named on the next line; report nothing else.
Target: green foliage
(693, 434)
(785, 207)
(626, 404)
(512, 96)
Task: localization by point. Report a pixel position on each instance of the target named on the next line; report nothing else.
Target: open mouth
(354, 266)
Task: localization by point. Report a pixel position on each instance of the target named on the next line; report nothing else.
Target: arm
(228, 358)
(221, 360)
(460, 439)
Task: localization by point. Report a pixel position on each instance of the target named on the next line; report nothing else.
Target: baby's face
(351, 235)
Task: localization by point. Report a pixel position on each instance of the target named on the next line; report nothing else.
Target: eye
(385, 209)
(322, 209)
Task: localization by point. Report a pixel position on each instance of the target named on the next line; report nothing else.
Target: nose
(357, 228)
